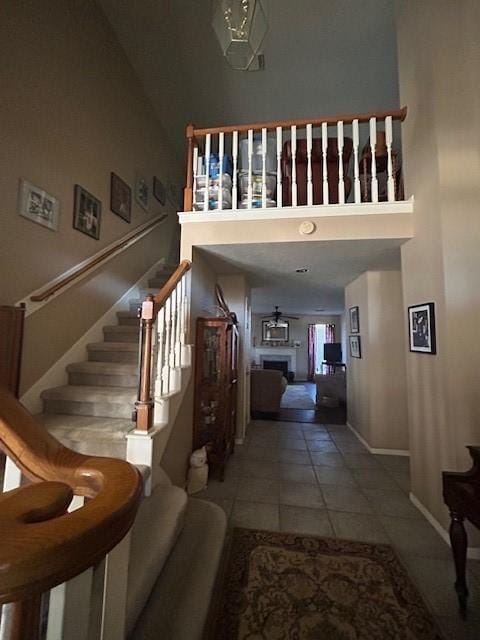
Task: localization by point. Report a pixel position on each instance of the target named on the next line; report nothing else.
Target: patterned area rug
(280, 586)
(296, 396)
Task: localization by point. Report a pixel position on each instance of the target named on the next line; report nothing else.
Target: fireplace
(281, 365)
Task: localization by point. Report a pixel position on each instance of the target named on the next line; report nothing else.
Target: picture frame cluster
(43, 208)
(355, 340)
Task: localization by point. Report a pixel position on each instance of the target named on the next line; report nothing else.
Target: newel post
(144, 404)
(188, 191)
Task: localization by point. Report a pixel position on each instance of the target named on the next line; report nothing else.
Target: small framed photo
(355, 347)
(120, 198)
(142, 191)
(354, 320)
(38, 206)
(421, 328)
(87, 213)
(159, 191)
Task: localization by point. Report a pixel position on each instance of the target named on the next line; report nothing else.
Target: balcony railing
(339, 159)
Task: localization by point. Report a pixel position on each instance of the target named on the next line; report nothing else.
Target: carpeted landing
(280, 586)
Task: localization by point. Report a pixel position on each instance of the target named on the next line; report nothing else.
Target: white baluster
(309, 166)
(208, 143)
(160, 328)
(235, 162)
(356, 176)
(221, 143)
(195, 169)
(373, 170)
(341, 183)
(389, 141)
(279, 167)
(250, 160)
(264, 168)
(178, 313)
(166, 352)
(173, 307)
(294, 165)
(324, 161)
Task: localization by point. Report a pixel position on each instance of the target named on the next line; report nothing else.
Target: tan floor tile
(306, 521)
(301, 495)
(357, 526)
(259, 490)
(254, 515)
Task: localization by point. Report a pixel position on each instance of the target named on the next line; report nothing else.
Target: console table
(461, 493)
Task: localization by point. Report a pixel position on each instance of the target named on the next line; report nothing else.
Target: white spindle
(166, 352)
(235, 162)
(389, 141)
(279, 166)
(356, 176)
(294, 165)
(324, 161)
(373, 170)
(160, 351)
(309, 166)
(341, 183)
(221, 144)
(264, 168)
(250, 161)
(178, 313)
(208, 142)
(171, 359)
(195, 169)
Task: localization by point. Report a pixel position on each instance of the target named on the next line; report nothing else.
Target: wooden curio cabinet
(215, 389)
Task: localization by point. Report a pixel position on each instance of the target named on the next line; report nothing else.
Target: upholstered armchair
(317, 170)
(267, 388)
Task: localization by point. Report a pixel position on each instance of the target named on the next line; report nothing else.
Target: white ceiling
(270, 270)
(321, 58)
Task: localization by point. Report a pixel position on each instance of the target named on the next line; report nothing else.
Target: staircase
(93, 412)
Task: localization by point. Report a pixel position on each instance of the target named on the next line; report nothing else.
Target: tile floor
(320, 480)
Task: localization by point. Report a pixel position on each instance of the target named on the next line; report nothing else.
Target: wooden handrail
(150, 309)
(397, 114)
(94, 261)
(42, 545)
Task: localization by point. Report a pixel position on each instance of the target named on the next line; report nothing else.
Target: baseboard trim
(374, 451)
(473, 553)
(57, 375)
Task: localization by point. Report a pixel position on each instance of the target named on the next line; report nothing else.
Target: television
(332, 352)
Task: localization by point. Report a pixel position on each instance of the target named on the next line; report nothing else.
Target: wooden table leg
(458, 540)
(21, 620)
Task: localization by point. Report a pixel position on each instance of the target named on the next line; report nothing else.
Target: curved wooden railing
(197, 136)
(41, 544)
(96, 261)
(168, 308)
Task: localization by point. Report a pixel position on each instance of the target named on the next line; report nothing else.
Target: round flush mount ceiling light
(302, 270)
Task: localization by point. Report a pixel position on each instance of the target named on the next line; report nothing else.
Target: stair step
(84, 400)
(105, 374)
(121, 333)
(126, 352)
(135, 304)
(88, 434)
(128, 318)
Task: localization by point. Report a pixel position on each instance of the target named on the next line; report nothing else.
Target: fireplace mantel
(289, 354)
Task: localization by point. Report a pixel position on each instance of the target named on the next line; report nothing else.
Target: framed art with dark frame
(87, 213)
(159, 191)
(421, 328)
(120, 197)
(354, 320)
(355, 347)
(38, 206)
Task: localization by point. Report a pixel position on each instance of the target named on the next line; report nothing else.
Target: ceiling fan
(276, 315)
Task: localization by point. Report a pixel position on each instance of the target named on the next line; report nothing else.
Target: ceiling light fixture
(302, 270)
(240, 26)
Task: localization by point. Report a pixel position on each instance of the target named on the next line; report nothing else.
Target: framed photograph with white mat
(37, 205)
(355, 347)
(421, 328)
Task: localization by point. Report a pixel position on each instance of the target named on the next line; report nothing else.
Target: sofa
(317, 170)
(331, 388)
(267, 387)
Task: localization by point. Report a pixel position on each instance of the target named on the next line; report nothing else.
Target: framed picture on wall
(120, 198)
(159, 191)
(142, 191)
(355, 347)
(87, 213)
(354, 320)
(37, 205)
(421, 328)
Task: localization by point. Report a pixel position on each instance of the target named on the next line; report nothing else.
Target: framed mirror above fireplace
(275, 331)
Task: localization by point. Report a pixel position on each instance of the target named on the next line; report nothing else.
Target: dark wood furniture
(381, 166)
(11, 339)
(215, 389)
(461, 493)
